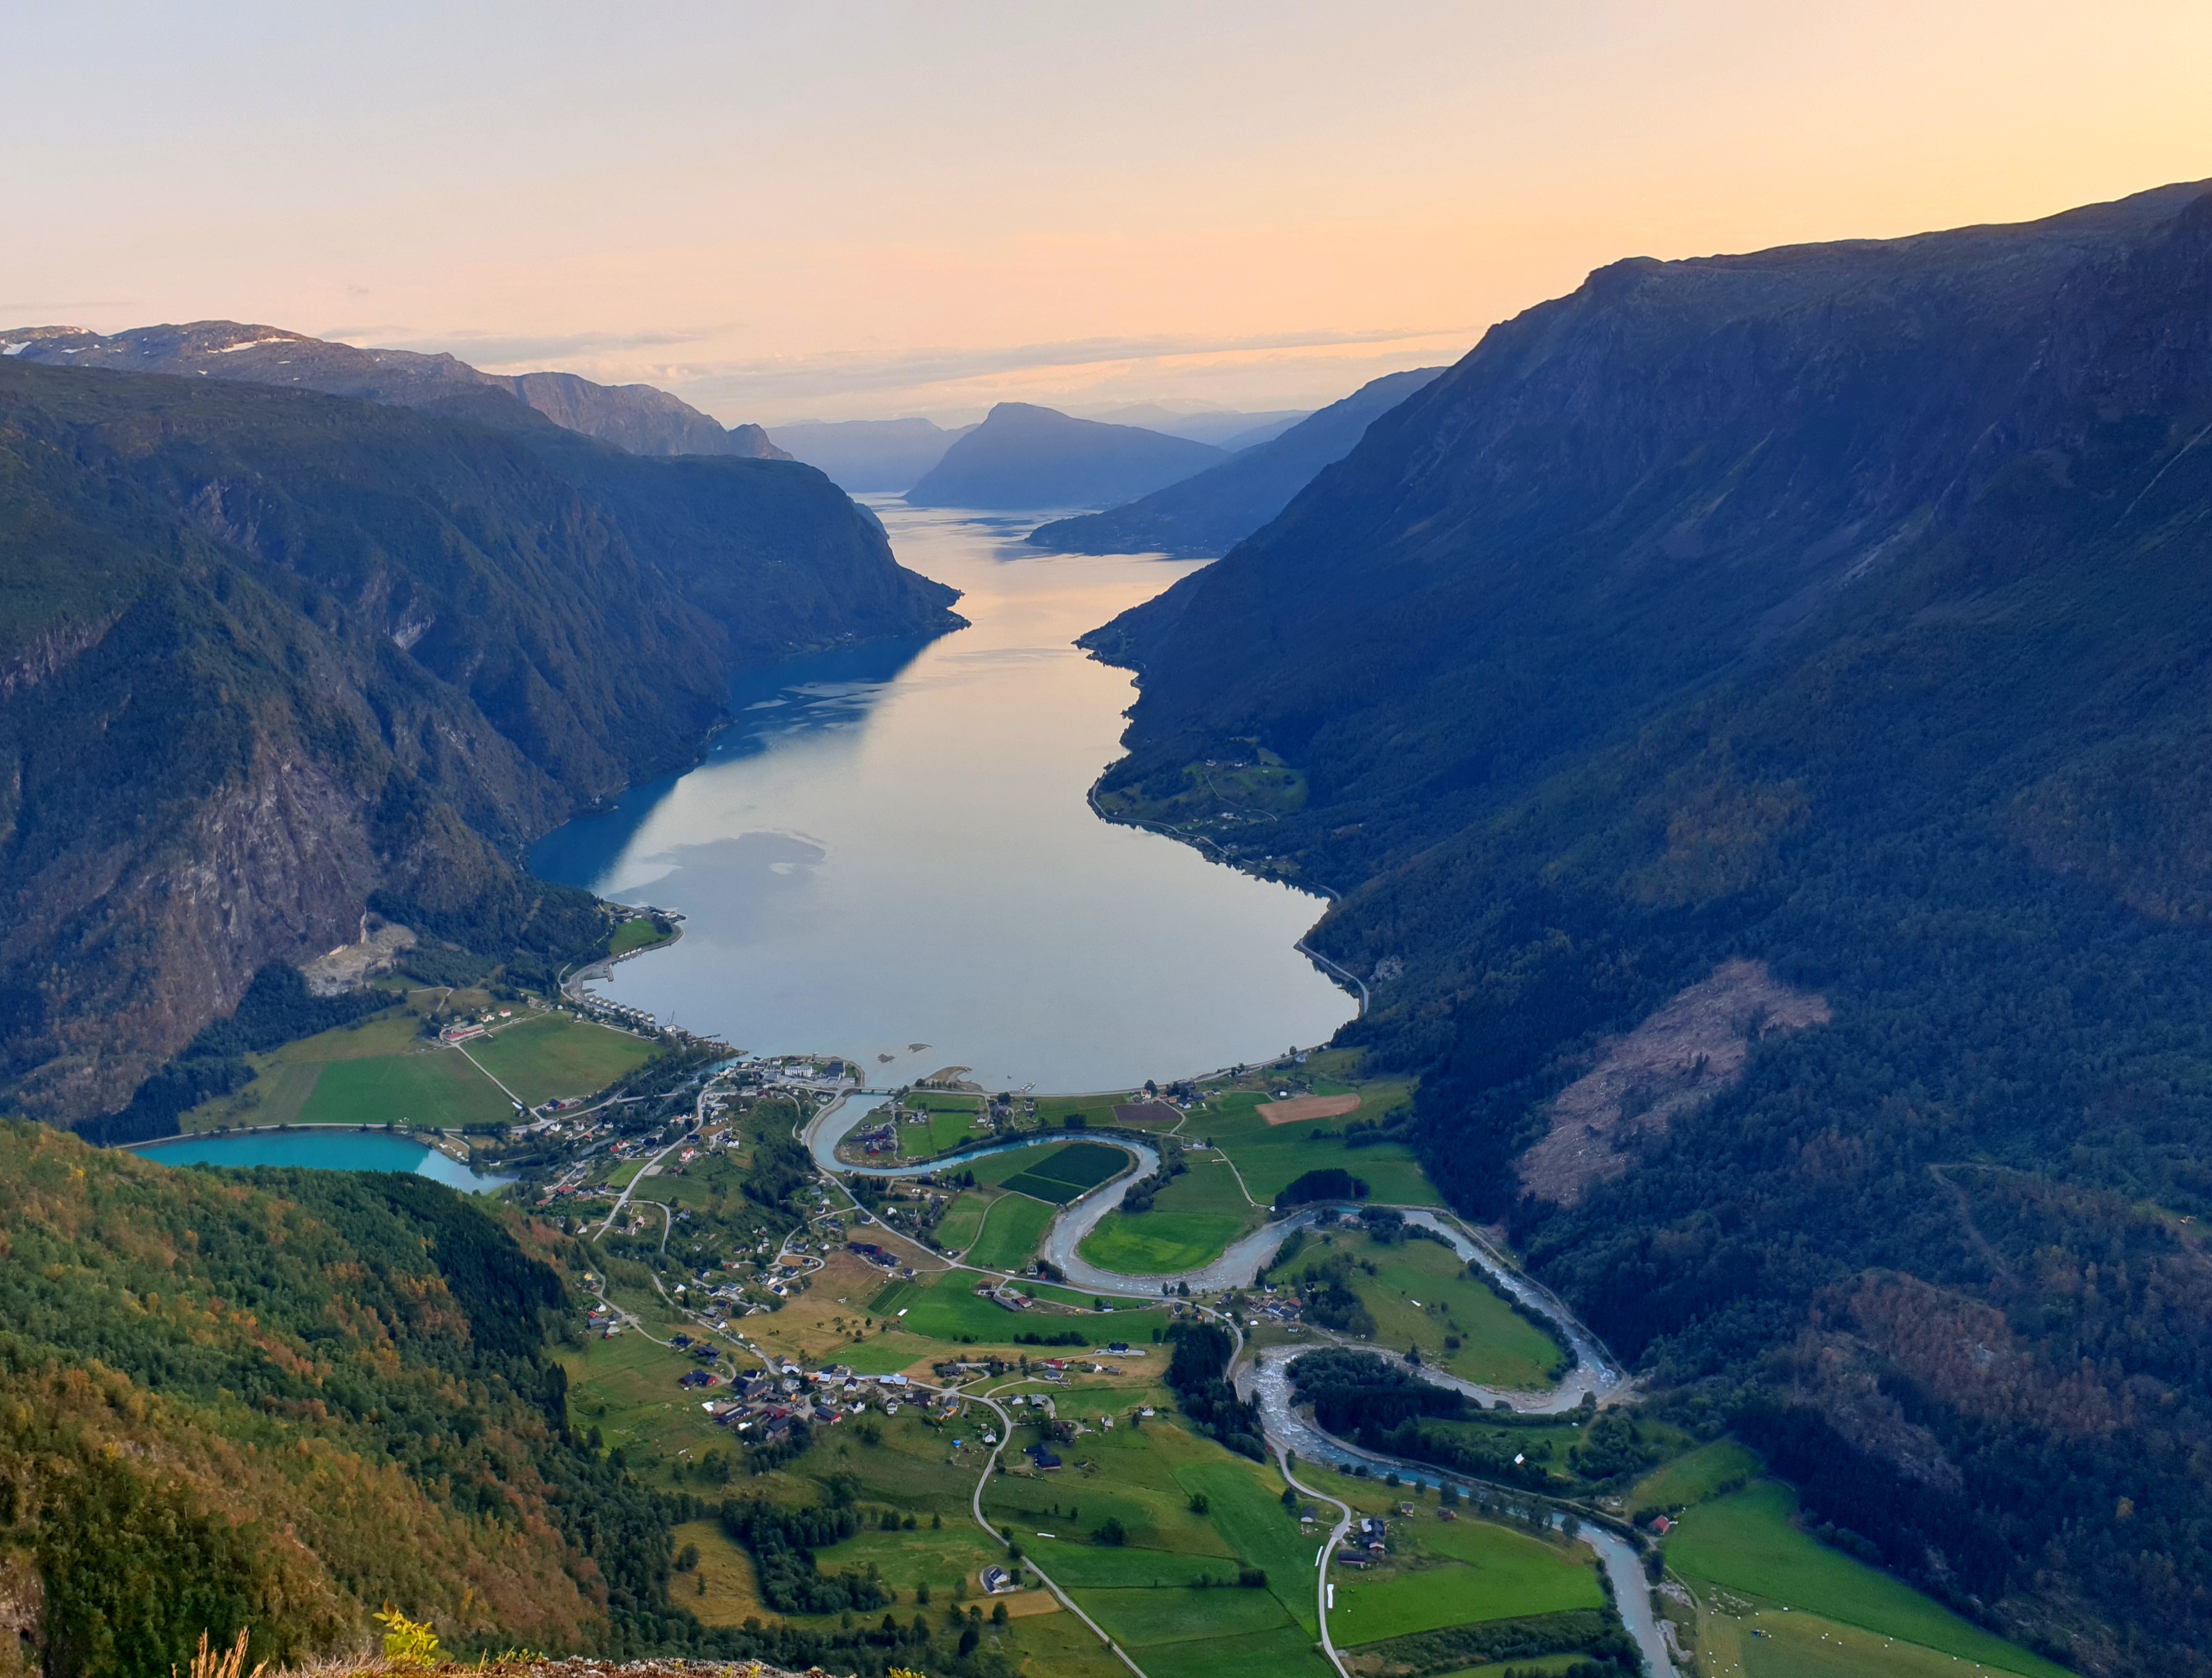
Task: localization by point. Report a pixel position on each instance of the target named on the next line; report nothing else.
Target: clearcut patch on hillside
(1682, 1056)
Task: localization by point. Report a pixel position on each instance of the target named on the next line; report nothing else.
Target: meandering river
(892, 856)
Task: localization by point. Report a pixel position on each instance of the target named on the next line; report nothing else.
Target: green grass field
(1420, 1295)
(1694, 1477)
(636, 933)
(1745, 1544)
(1012, 1230)
(1192, 1221)
(1158, 1243)
(555, 1056)
(963, 1220)
(383, 1071)
(435, 1087)
(1272, 1156)
(949, 1125)
(1143, 1591)
(1468, 1571)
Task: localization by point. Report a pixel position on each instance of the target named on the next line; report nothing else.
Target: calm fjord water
(894, 847)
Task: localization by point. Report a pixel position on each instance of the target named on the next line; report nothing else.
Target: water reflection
(893, 847)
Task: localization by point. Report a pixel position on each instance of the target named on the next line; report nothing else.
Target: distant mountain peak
(1024, 455)
(639, 418)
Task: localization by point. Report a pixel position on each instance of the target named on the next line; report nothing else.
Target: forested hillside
(265, 654)
(279, 1407)
(1842, 609)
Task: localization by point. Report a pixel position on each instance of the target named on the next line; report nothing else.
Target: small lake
(892, 856)
(334, 1149)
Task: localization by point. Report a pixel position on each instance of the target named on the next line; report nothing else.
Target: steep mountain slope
(279, 1408)
(1226, 428)
(635, 417)
(863, 456)
(1211, 513)
(1023, 456)
(1842, 608)
(265, 653)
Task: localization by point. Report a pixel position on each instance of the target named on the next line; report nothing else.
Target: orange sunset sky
(861, 211)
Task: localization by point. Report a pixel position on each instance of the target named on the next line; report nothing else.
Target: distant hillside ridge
(1023, 455)
(1839, 614)
(1205, 515)
(638, 418)
(266, 655)
(865, 457)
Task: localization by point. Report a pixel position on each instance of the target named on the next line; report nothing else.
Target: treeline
(782, 1542)
(1197, 1373)
(1327, 1182)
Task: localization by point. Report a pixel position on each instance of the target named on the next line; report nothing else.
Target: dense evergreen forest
(1841, 612)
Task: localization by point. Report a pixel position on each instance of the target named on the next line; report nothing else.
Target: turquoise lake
(324, 1149)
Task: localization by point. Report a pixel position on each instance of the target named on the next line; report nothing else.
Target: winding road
(1596, 1374)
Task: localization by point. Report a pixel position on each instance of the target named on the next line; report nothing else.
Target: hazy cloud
(503, 352)
(801, 378)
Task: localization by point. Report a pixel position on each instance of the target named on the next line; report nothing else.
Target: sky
(863, 210)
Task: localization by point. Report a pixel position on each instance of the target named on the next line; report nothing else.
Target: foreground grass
(1746, 1545)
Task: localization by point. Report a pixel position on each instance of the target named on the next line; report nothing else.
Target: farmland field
(1693, 1478)
(1474, 1571)
(1420, 1295)
(553, 1055)
(383, 1071)
(1745, 1544)
(1192, 1221)
(963, 1220)
(1012, 1230)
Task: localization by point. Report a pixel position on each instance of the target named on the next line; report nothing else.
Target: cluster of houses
(764, 1406)
(1371, 1546)
(1287, 1308)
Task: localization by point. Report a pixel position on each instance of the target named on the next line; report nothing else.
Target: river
(892, 856)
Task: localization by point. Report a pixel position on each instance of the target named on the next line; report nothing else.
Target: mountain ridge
(267, 653)
(640, 419)
(1206, 514)
(1842, 608)
(1025, 456)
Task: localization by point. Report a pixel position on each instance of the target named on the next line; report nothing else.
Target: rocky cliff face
(265, 652)
(637, 418)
